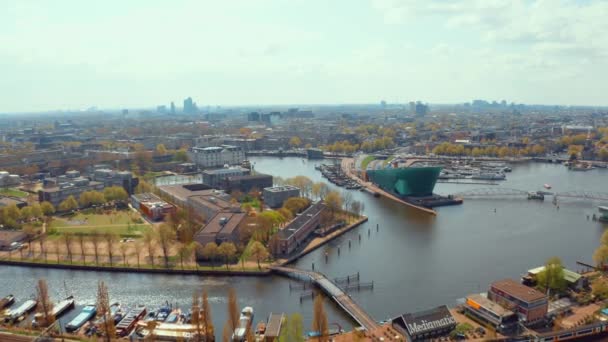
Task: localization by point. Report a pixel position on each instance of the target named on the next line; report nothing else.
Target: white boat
(240, 333)
(18, 313)
(547, 186)
(58, 310)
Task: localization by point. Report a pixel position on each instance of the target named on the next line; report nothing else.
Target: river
(416, 261)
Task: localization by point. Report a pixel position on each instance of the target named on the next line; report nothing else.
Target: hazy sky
(57, 54)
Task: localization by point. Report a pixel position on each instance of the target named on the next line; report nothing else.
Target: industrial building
(7, 179)
(217, 178)
(530, 305)
(205, 201)
(247, 183)
(110, 178)
(223, 227)
(152, 206)
(480, 307)
(275, 196)
(299, 229)
(56, 190)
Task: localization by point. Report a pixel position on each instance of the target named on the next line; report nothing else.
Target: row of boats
(335, 175)
(131, 322)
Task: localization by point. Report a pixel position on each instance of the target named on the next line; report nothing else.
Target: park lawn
(119, 222)
(13, 192)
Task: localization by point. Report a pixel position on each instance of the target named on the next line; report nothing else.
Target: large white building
(210, 157)
(7, 179)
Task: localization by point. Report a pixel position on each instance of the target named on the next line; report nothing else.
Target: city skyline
(140, 54)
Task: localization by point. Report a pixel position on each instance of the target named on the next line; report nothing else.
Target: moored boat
(603, 209)
(547, 186)
(58, 310)
(87, 313)
(7, 301)
(127, 324)
(18, 313)
(245, 320)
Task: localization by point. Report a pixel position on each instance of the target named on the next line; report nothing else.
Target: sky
(60, 54)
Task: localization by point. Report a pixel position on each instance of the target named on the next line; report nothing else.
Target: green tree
(68, 204)
(259, 252)
(210, 252)
(115, 193)
(552, 277)
(47, 208)
(228, 251)
(295, 142)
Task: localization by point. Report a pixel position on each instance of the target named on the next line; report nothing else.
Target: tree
(333, 201)
(81, 240)
(226, 333)
(210, 252)
(42, 243)
(123, 247)
(228, 251)
(166, 237)
(599, 288)
(44, 306)
(184, 252)
(259, 251)
(30, 233)
(104, 311)
(233, 310)
(47, 208)
(209, 330)
(552, 277)
(111, 239)
(68, 204)
(95, 240)
(138, 247)
(295, 142)
(319, 319)
(150, 241)
(68, 238)
(197, 316)
(161, 149)
(293, 330)
(115, 193)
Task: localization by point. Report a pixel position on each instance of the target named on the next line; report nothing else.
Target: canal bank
(417, 261)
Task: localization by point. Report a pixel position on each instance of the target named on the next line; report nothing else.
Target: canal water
(416, 261)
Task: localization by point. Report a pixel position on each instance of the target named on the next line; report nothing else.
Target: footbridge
(334, 292)
(498, 192)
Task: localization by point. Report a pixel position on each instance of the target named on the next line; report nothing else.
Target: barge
(127, 324)
(87, 313)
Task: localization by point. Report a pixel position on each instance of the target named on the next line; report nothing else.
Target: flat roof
(214, 226)
(212, 201)
(520, 291)
(297, 223)
(281, 188)
(569, 276)
(181, 192)
(484, 302)
(429, 320)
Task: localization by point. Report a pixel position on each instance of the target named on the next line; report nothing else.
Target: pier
(334, 292)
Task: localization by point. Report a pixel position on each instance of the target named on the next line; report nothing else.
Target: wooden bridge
(334, 292)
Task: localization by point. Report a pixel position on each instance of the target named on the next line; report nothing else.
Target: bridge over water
(498, 192)
(334, 292)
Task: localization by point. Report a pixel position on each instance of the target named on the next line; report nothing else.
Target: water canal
(415, 260)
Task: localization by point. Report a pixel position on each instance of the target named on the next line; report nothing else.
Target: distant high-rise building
(161, 109)
(412, 107)
(253, 116)
(421, 109)
(383, 104)
(188, 106)
(172, 107)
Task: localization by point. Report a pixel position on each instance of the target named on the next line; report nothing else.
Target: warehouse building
(299, 229)
(530, 305)
(223, 227)
(275, 196)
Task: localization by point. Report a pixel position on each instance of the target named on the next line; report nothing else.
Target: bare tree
(68, 238)
(138, 247)
(123, 247)
(42, 243)
(233, 310)
(150, 241)
(227, 333)
(209, 330)
(111, 239)
(81, 241)
(197, 317)
(44, 306)
(319, 319)
(104, 312)
(347, 199)
(95, 240)
(166, 237)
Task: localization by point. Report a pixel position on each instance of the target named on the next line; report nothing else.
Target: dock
(334, 292)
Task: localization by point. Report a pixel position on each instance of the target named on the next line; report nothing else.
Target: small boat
(87, 313)
(163, 313)
(547, 186)
(174, 316)
(127, 324)
(58, 310)
(7, 301)
(603, 209)
(18, 313)
(240, 333)
(536, 195)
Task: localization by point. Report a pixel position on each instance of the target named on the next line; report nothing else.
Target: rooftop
(515, 289)
(300, 220)
(223, 222)
(483, 301)
(281, 188)
(569, 276)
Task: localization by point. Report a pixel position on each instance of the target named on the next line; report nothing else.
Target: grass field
(366, 161)
(119, 222)
(13, 192)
